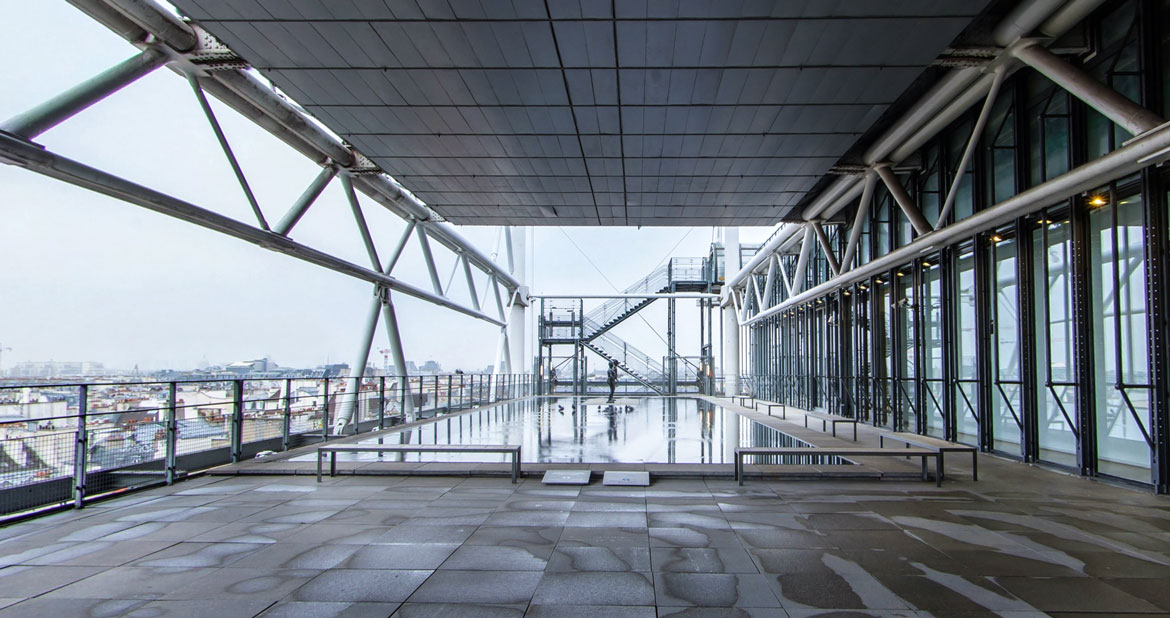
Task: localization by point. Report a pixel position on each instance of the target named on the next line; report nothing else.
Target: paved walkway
(1021, 542)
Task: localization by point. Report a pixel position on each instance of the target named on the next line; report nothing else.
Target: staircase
(593, 329)
(631, 360)
(615, 310)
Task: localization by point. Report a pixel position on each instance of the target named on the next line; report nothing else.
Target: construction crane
(385, 352)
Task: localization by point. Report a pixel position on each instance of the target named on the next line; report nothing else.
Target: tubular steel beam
(769, 283)
(823, 239)
(1124, 160)
(25, 154)
(401, 245)
(921, 225)
(1112, 104)
(75, 100)
(390, 319)
(227, 149)
(312, 192)
(360, 220)
(470, 282)
(801, 273)
(421, 232)
(976, 132)
(859, 220)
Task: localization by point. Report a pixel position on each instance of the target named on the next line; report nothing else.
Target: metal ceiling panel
(676, 112)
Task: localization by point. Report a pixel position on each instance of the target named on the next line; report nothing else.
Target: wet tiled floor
(1021, 542)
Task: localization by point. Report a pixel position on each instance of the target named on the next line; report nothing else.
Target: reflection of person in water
(611, 378)
(611, 414)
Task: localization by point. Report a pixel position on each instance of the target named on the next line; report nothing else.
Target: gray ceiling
(534, 112)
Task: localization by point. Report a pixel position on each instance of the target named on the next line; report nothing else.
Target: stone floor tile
(30, 581)
(527, 518)
(195, 555)
(362, 585)
(94, 608)
(500, 587)
(726, 612)
(244, 583)
(100, 553)
(569, 559)
(425, 534)
(401, 556)
(235, 608)
(328, 609)
(1073, 594)
(610, 519)
(459, 610)
(693, 537)
(701, 560)
(590, 611)
(325, 532)
(128, 582)
(488, 558)
(713, 590)
(595, 588)
(515, 536)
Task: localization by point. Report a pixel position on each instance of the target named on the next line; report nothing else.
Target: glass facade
(1034, 339)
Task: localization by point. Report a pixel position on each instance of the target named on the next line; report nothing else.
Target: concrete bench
(847, 451)
(769, 406)
(743, 399)
(829, 419)
(333, 450)
(935, 444)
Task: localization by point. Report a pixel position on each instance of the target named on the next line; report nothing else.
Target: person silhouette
(611, 378)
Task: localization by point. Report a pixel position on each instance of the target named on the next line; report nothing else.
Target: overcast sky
(85, 277)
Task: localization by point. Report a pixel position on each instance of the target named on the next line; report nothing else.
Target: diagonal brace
(227, 149)
(77, 99)
(921, 225)
(307, 198)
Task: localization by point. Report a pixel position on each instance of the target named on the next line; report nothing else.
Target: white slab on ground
(566, 477)
(633, 478)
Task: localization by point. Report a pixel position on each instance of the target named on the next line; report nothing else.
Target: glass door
(1121, 356)
(1007, 379)
(1055, 370)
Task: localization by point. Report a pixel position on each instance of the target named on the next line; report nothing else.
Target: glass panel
(932, 347)
(1054, 342)
(1007, 400)
(967, 388)
(1119, 338)
(885, 384)
(907, 385)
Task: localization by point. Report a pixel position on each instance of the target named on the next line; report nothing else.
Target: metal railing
(71, 442)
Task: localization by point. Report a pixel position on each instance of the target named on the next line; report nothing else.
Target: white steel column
(357, 370)
(518, 304)
(730, 369)
(390, 319)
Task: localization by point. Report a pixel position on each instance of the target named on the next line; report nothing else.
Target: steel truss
(780, 321)
(210, 67)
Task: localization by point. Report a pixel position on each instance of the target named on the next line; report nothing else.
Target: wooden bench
(847, 451)
(333, 450)
(935, 444)
(783, 408)
(743, 399)
(829, 419)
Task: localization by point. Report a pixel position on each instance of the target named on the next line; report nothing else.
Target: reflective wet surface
(1021, 542)
(591, 430)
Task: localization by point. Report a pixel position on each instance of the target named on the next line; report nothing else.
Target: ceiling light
(996, 238)
(1098, 200)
